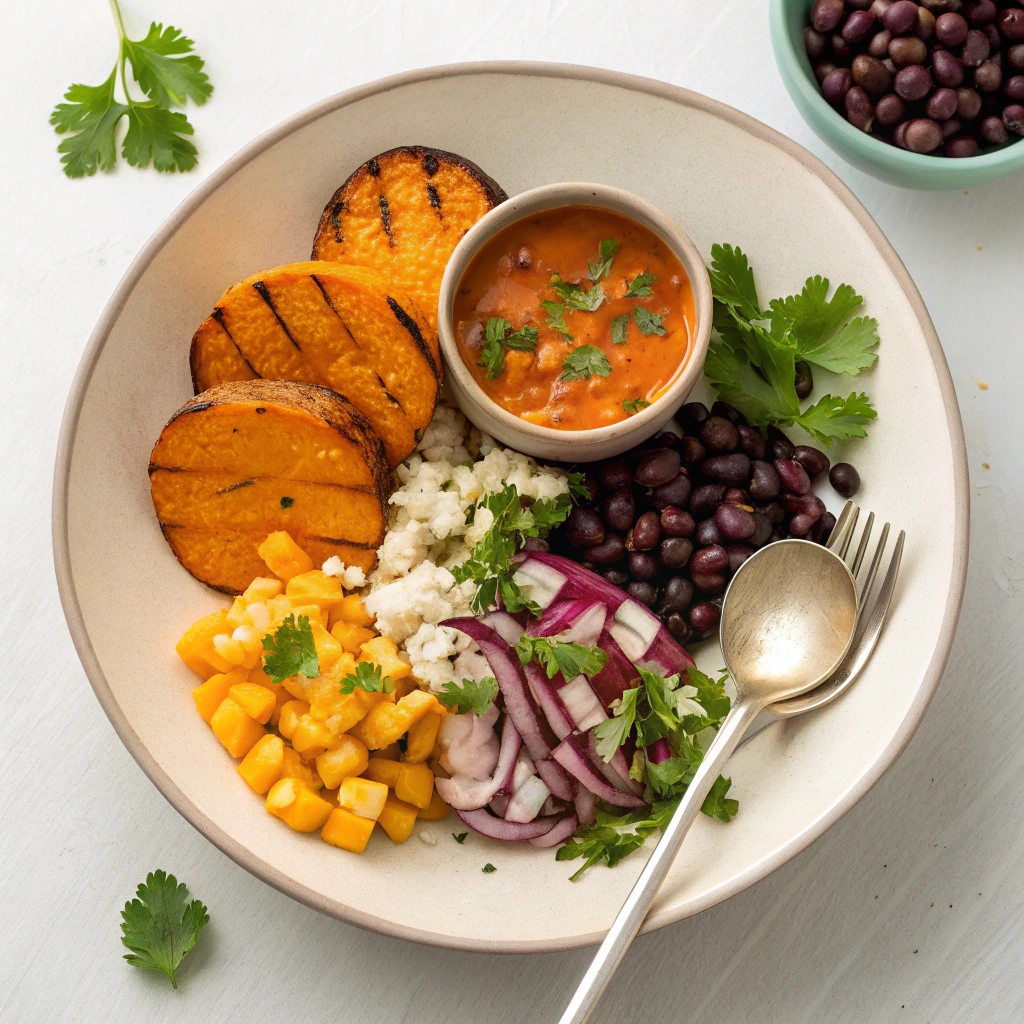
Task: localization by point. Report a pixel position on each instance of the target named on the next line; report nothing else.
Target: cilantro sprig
(752, 364)
(168, 73)
(620, 329)
(584, 362)
(469, 695)
(556, 317)
(634, 405)
(575, 296)
(602, 266)
(554, 655)
(498, 336)
(367, 677)
(641, 285)
(648, 323)
(159, 927)
(290, 651)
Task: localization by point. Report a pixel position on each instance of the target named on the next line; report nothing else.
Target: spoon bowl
(788, 619)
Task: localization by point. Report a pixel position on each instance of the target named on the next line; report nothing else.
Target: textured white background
(908, 910)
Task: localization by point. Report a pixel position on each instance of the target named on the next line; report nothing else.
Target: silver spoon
(788, 619)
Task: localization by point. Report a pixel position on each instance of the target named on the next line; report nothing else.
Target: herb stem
(118, 20)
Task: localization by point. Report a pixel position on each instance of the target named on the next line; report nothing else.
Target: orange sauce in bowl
(574, 318)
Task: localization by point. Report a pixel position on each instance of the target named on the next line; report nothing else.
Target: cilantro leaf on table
(159, 926)
(169, 74)
(469, 695)
(459, 837)
(837, 418)
(290, 651)
(732, 281)
(368, 678)
(602, 266)
(641, 285)
(554, 655)
(634, 405)
(556, 317)
(575, 296)
(585, 361)
(649, 323)
(620, 329)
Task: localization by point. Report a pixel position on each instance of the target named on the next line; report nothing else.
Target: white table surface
(910, 909)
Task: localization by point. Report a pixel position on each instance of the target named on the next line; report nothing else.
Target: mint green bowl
(890, 163)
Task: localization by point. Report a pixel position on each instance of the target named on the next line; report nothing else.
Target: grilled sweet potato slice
(325, 323)
(250, 457)
(404, 212)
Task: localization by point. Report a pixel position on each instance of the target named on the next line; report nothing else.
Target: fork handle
(634, 910)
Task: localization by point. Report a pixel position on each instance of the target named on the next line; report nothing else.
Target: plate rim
(115, 305)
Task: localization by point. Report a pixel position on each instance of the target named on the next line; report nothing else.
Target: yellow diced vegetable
(262, 589)
(392, 752)
(281, 697)
(347, 759)
(258, 701)
(437, 810)
(283, 556)
(380, 770)
(237, 730)
(351, 609)
(311, 737)
(292, 711)
(382, 651)
(347, 830)
(280, 608)
(297, 806)
(296, 768)
(397, 819)
(328, 650)
(208, 695)
(363, 797)
(238, 614)
(315, 587)
(298, 687)
(415, 785)
(229, 649)
(263, 765)
(196, 649)
(419, 744)
(386, 723)
(351, 637)
(310, 611)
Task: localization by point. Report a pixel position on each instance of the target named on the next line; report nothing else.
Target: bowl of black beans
(671, 520)
(922, 93)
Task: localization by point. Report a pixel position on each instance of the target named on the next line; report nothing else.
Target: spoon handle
(634, 910)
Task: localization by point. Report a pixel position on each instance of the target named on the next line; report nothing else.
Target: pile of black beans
(944, 77)
(672, 520)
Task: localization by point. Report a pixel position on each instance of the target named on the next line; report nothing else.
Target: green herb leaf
(492, 359)
(583, 362)
(620, 329)
(578, 487)
(500, 336)
(166, 77)
(367, 677)
(159, 926)
(715, 803)
(488, 869)
(556, 656)
(613, 732)
(523, 340)
(157, 135)
(634, 405)
(832, 419)
(556, 317)
(601, 267)
(287, 502)
(575, 296)
(640, 286)
(648, 322)
(290, 651)
(460, 837)
(469, 695)
(732, 281)
(91, 113)
(496, 328)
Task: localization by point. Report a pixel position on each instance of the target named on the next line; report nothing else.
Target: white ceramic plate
(724, 177)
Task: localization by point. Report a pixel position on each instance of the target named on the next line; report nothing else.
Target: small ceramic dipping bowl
(549, 442)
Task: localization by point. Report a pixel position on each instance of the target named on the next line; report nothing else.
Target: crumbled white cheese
(351, 576)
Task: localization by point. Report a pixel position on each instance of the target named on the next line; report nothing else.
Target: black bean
(976, 49)
(719, 434)
(705, 616)
(812, 459)
(858, 26)
(809, 505)
(613, 475)
(1015, 57)
(751, 441)
(951, 127)
(693, 414)
(1014, 88)
(709, 582)
(836, 85)
(730, 412)
(968, 103)
(922, 135)
(705, 499)
(907, 51)
(675, 492)
(982, 13)
(823, 69)
(642, 591)
(879, 44)
(995, 41)
(814, 43)
(994, 132)
(678, 627)
(643, 566)
(734, 523)
(828, 522)
(803, 382)
(800, 525)
(617, 577)
(738, 554)
(779, 446)
(826, 14)
(879, 7)
(677, 595)
(667, 439)
(901, 17)
(657, 468)
(1013, 118)
(609, 551)
(1011, 24)
(925, 24)
(731, 469)
(675, 552)
(710, 559)
(960, 146)
(536, 544)
(775, 512)
(764, 481)
(584, 527)
(736, 496)
(913, 82)
(888, 110)
(793, 476)
(988, 77)
(941, 104)
(871, 74)
(946, 69)
(677, 522)
(647, 532)
(845, 479)
(860, 110)
(707, 533)
(692, 451)
(762, 529)
(951, 28)
(620, 509)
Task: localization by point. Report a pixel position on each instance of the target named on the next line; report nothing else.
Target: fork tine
(873, 568)
(839, 540)
(862, 547)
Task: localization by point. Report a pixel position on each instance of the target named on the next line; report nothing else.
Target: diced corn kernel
(419, 744)
(415, 785)
(351, 637)
(298, 687)
(328, 650)
(238, 614)
(382, 651)
(363, 797)
(310, 611)
(291, 713)
(258, 701)
(297, 805)
(229, 648)
(315, 587)
(259, 614)
(437, 810)
(283, 556)
(250, 638)
(347, 830)
(351, 609)
(296, 768)
(397, 819)
(237, 730)
(380, 770)
(208, 695)
(386, 723)
(196, 649)
(257, 675)
(347, 759)
(262, 589)
(281, 697)
(263, 765)
(311, 737)
(280, 608)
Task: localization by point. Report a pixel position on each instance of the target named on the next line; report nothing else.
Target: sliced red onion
(499, 804)
(658, 751)
(571, 755)
(505, 626)
(617, 676)
(545, 582)
(615, 771)
(527, 801)
(546, 698)
(582, 704)
(581, 621)
(524, 769)
(555, 778)
(620, 765)
(464, 793)
(634, 629)
(510, 831)
(562, 831)
(586, 806)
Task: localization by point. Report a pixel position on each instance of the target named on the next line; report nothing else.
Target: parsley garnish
(583, 362)
(367, 677)
(752, 364)
(556, 317)
(287, 502)
(648, 322)
(620, 329)
(600, 268)
(632, 405)
(575, 296)
(640, 286)
(168, 73)
(557, 656)
(500, 336)
(488, 869)
(159, 927)
(461, 837)
(290, 651)
(469, 695)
